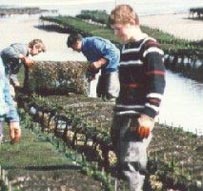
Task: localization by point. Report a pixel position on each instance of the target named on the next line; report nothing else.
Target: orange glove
(15, 132)
(143, 132)
(145, 126)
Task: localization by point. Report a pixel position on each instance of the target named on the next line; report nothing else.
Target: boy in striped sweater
(142, 80)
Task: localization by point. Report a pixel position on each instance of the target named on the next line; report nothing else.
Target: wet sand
(176, 24)
(24, 28)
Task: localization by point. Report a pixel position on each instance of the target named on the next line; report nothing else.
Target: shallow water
(182, 103)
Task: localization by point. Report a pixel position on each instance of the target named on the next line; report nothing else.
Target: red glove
(143, 132)
(144, 126)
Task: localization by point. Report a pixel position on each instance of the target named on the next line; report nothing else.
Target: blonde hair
(123, 14)
(39, 44)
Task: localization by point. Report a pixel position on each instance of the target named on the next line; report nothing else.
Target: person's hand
(27, 61)
(145, 126)
(93, 67)
(142, 126)
(91, 73)
(96, 65)
(15, 132)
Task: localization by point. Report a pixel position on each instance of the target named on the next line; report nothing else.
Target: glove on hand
(145, 126)
(15, 132)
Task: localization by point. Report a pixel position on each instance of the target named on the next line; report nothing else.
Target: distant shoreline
(20, 10)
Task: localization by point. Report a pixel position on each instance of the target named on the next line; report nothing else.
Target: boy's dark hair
(73, 38)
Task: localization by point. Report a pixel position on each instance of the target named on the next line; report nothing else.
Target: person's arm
(107, 51)
(17, 52)
(94, 66)
(155, 81)
(12, 115)
(26, 60)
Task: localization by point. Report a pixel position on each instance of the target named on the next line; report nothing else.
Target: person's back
(10, 57)
(14, 50)
(96, 47)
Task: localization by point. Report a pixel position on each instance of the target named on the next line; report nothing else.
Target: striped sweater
(142, 78)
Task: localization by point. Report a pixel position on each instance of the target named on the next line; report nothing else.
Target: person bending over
(102, 55)
(18, 54)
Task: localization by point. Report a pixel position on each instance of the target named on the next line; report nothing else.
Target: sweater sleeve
(155, 78)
